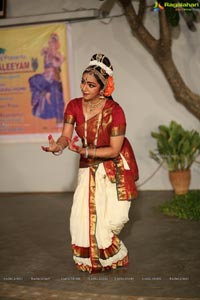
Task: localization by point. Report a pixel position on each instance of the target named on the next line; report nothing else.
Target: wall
(141, 89)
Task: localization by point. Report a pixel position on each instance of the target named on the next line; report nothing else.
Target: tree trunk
(181, 91)
(161, 51)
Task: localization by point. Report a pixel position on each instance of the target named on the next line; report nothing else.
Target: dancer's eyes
(90, 84)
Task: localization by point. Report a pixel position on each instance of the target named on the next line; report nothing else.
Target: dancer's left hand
(72, 144)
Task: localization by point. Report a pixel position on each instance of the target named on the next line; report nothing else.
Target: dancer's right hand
(53, 147)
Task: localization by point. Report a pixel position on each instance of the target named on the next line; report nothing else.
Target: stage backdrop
(34, 81)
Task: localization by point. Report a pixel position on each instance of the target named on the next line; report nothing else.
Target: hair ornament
(102, 66)
(109, 87)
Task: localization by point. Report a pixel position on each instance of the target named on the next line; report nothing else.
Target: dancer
(46, 88)
(107, 173)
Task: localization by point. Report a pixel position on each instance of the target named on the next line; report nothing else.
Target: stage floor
(36, 257)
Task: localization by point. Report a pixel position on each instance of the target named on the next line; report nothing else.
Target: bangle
(62, 141)
(94, 155)
(86, 152)
(57, 153)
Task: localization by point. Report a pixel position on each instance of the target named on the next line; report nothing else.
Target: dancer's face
(90, 87)
(52, 44)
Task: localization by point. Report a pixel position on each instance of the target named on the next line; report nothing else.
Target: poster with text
(34, 81)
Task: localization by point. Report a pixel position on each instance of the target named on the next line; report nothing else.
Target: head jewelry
(101, 66)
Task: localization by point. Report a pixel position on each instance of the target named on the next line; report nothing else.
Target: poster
(34, 81)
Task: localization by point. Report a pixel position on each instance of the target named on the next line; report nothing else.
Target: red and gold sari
(105, 186)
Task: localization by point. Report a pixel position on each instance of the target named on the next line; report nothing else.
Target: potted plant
(177, 149)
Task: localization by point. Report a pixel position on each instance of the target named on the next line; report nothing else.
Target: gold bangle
(62, 140)
(86, 152)
(94, 155)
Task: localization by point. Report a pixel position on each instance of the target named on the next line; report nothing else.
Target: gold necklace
(93, 106)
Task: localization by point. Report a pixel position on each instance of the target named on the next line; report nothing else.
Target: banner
(34, 81)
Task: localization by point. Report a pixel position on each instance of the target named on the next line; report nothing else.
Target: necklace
(93, 106)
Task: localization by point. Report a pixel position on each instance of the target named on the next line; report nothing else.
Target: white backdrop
(140, 88)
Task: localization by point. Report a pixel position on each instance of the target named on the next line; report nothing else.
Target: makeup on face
(90, 87)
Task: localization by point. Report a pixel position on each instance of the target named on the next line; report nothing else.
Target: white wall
(141, 89)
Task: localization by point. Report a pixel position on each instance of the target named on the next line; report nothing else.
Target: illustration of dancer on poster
(34, 86)
(47, 95)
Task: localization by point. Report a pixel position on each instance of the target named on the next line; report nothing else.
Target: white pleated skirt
(97, 217)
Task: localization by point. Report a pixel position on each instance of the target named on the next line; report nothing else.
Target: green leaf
(183, 206)
(178, 147)
(172, 16)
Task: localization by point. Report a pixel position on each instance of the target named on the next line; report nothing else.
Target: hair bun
(100, 60)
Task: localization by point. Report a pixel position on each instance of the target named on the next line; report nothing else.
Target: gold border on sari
(118, 130)
(94, 251)
(120, 263)
(106, 253)
(69, 119)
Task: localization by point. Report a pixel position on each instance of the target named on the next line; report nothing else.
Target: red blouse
(113, 123)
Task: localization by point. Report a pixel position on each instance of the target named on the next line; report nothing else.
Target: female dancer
(107, 173)
(46, 88)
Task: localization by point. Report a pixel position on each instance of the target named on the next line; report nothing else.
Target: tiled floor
(36, 258)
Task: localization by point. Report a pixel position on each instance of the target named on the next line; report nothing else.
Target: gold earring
(101, 96)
